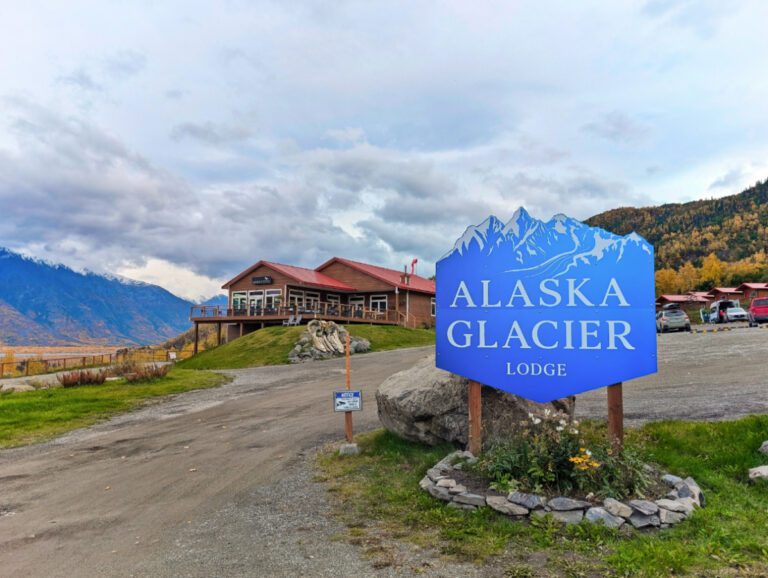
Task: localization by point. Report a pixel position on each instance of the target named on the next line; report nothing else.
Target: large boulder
(429, 405)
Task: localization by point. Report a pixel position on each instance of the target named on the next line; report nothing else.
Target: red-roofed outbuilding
(688, 299)
(720, 293)
(753, 290)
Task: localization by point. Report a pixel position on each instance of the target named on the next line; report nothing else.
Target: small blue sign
(545, 310)
(349, 400)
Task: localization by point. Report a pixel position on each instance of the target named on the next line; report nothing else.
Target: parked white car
(736, 314)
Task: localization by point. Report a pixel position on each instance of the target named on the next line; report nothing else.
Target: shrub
(75, 378)
(149, 372)
(551, 455)
(126, 367)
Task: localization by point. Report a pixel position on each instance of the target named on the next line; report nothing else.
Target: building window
(272, 297)
(296, 298)
(433, 306)
(239, 299)
(357, 302)
(255, 300)
(312, 300)
(334, 304)
(379, 302)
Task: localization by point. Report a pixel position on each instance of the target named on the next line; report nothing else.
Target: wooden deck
(276, 315)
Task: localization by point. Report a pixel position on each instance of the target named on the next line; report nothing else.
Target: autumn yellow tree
(688, 277)
(667, 282)
(712, 271)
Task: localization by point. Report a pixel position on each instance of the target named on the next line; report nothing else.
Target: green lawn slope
(35, 416)
(270, 346)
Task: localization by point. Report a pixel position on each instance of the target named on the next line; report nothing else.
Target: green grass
(728, 537)
(268, 346)
(385, 337)
(271, 345)
(34, 416)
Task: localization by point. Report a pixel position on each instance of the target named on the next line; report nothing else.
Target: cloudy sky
(178, 142)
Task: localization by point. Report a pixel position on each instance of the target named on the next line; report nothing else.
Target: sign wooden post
(348, 414)
(616, 416)
(475, 407)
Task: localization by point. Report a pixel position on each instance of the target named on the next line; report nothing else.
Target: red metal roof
(753, 286)
(310, 276)
(681, 299)
(724, 290)
(389, 276)
(300, 274)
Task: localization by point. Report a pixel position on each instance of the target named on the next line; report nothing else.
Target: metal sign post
(348, 400)
(348, 414)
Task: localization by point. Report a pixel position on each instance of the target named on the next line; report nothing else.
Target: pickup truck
(758, 311)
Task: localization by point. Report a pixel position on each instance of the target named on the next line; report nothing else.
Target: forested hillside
(733, 227)
(702, 243)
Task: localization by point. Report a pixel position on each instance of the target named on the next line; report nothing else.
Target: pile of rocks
(324, 340)
(760, 472)
(684, 496)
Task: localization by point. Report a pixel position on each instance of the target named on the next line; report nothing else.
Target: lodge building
(339, 290)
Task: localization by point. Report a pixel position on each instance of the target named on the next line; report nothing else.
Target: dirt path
(213, 483)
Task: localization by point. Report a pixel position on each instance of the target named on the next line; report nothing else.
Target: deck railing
(314, 310)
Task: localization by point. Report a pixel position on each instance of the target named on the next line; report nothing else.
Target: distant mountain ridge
(46, 304)
(733, 227)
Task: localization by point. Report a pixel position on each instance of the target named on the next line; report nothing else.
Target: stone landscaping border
(684, 496)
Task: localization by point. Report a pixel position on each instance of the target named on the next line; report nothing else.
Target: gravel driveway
(215, 482)
(707, 376)
(219, 483)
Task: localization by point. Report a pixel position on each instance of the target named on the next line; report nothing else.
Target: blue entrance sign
(546, 309)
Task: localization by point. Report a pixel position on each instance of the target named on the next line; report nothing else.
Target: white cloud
(377, 130)
(178, 280)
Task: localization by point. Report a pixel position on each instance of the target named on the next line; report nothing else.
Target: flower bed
(443, 481)
(550, 455)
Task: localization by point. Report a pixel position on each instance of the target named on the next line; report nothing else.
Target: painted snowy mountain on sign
(552, 248)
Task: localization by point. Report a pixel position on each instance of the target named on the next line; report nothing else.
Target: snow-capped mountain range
(554, 247)
(47, 304)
